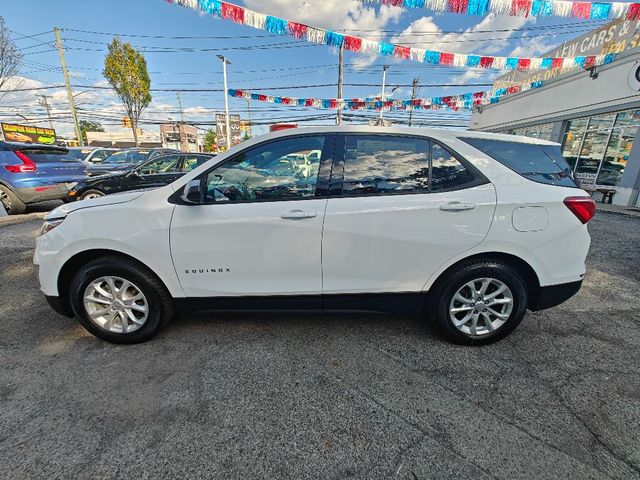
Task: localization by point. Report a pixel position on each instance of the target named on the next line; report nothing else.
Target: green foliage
(210, 141)
(126, 70)
(87, 126)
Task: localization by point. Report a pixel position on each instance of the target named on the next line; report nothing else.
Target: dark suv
(126, 159)
(31, 173)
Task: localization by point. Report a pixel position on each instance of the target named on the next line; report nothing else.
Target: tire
(91, 194)
(510, 303)
(159, 304)
(12, 204)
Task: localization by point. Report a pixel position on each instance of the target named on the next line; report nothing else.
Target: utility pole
(249, 115)
(183, 140)
(384, 79)
(340, 63)
(226, 99)
(44, 101)
(414, 94)
(72, 104)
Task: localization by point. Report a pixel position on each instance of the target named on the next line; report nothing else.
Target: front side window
(164, 164)
(193, 161)
(280, 170)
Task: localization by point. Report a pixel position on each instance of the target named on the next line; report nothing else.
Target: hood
(108, 166)
(66, 209)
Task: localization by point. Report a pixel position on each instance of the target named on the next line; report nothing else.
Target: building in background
(593, 113)
(180, 136)
(124, 139)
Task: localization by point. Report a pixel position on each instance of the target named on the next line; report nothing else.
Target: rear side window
(539, 163)
(385, 164)
(42, 155)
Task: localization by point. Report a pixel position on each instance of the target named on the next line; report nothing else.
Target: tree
(87, 126)
(10, 56)
(126, 70)
(210, 142)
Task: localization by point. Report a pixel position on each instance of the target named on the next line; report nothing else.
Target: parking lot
(334, 396)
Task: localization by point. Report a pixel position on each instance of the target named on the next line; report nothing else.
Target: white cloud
(481, 38)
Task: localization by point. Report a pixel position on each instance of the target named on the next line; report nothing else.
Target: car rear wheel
(480, 303)
(12, 204)
(91, 194)
(119, 301)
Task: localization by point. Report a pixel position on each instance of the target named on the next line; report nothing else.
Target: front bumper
(554, 295)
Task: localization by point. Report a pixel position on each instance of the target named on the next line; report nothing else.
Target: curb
(24, 218)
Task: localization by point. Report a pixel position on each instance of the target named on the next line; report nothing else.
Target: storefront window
(593, 148)
(542, 132)
(572, 141)
(617, 154)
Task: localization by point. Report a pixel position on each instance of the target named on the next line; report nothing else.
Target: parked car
(469, 228)
(125, 159)
(91, 154)
(31, 173)
(160, 171)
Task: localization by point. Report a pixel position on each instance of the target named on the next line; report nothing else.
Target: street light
(226, 99)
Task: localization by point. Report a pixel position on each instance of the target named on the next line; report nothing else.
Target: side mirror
(97, 160)
(192, 193)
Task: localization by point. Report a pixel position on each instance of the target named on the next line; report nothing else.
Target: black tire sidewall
(156, 317)
(84, 194)
(17, 205)
(452, 283)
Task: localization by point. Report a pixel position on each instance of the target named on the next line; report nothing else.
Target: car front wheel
(480, 303)
(119, 301)
(91, 194)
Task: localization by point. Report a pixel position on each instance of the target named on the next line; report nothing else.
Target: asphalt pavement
(325, 396)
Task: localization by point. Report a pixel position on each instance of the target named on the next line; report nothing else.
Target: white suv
(471, 228)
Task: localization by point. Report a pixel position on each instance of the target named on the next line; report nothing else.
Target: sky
(180, 46)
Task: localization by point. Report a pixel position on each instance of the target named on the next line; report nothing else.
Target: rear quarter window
(539, 163)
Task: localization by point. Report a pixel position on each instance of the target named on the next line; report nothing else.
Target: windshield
(129, 156)
(78, 154)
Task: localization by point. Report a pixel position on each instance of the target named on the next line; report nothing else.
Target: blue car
(125, 160)
(31, 173)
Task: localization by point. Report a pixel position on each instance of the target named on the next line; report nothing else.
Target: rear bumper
(553, 295)
(59, 191)
(58, 305)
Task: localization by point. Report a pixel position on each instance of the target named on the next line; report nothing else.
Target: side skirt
(405, 303)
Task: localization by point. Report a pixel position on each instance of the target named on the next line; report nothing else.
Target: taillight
(26, 166)
(582, 207)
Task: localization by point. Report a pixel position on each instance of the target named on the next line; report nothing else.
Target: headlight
(49, 225)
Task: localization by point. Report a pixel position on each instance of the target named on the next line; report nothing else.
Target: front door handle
(298, 215)
(457, 207)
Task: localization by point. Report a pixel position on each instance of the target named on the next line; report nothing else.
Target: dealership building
(594, 114)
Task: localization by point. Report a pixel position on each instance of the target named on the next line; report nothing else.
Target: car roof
(22, 145)
(440, 134)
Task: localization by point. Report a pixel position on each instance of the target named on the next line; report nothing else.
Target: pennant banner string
(464, 101)
(279, 26)
(525, 8)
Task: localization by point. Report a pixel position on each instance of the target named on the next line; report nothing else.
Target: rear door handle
(298, 215)
(457, 207)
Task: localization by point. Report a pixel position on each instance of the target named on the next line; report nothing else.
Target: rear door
(400, 207)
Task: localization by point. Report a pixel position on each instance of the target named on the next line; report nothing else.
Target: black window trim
(336, 185)
(324, 172)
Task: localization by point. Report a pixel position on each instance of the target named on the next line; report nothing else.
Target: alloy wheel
(5, 200)
(481, 306)
(116, 304)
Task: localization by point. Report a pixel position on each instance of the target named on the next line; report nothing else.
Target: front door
(393, 225)
(258, 230)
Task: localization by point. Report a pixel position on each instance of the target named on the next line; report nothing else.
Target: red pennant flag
(556, 62)
(486, 62)
(232, 12)
(352, 43)
(521, 8)
(634, 12)
(401, 52)
(458, 6)
(446, 58)
(581, 9)
(524, 63)
(298, 30)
